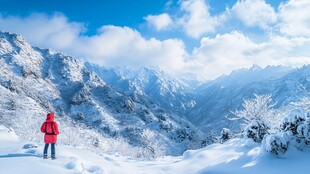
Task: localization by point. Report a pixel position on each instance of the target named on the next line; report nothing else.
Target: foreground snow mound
(236, 156)
(7, 135)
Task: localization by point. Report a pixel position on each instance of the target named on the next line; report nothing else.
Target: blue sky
(199, 38)
(94, 13)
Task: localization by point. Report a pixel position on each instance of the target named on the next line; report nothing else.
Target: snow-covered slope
(233, 157)
(173, 95)
(34, 81)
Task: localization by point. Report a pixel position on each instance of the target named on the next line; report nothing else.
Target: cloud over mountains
(228, 40)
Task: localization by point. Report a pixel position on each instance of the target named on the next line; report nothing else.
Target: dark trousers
(52, 148)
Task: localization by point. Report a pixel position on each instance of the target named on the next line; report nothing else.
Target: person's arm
(55, 128)
(43, 128)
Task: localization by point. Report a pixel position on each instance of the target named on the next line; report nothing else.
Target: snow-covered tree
(152, 143)
(258, 115)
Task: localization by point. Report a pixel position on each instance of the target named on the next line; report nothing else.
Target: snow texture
(236, 156)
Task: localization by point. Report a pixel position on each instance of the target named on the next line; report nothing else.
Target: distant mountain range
(218, 98)
(121, 102)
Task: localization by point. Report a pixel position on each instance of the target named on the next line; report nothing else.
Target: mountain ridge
(37, 81)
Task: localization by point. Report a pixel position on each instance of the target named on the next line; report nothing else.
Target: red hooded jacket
(50, 128)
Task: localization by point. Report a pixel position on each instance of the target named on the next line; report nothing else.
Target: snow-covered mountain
(207, 105)
(34, 81)
(145, 108)
(159, 87)
(219, 97)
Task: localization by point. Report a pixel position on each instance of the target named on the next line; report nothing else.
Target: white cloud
(295, 18)
(160, 22)
(119, 46)
(125, 46)
(48, 31)
(197, 19)
(111, 46)
(224, 53)
(255, 13)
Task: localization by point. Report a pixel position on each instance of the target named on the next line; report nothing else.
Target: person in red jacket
(50, 128)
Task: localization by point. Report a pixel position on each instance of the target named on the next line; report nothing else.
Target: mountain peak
(255, 67)
(10, 42)
(12, 36)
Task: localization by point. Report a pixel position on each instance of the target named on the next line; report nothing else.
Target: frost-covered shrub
(295, 130)
(298, 123)
(293, 121)
(154, 147)
(276, 143)
(303, 132)
(259, 108)
(93, 140)
(256, 130)
(303, 104)
(225, 135)
(258, 115)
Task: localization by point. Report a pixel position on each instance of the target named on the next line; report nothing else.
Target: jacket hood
(50, 117)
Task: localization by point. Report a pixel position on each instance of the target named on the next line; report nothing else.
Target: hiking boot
(53, 157)
(45, 156)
